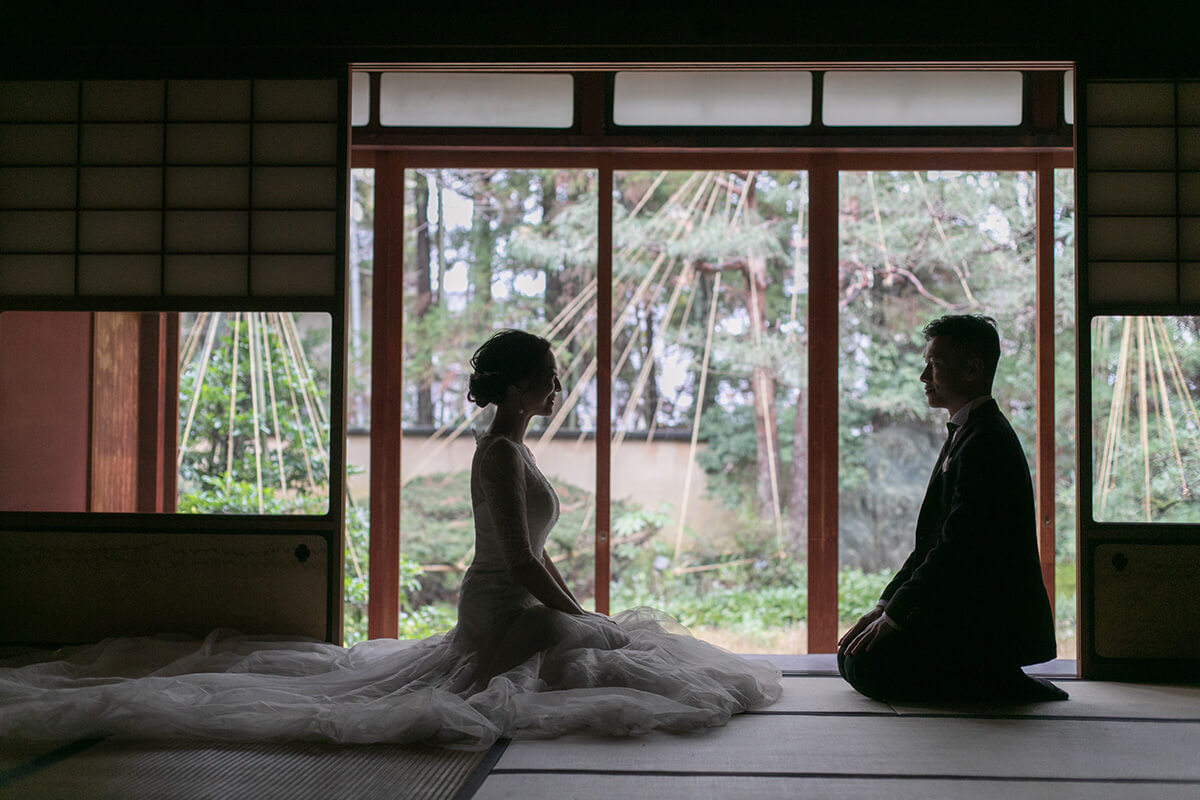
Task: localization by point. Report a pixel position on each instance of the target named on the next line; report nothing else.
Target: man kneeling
(968, 607)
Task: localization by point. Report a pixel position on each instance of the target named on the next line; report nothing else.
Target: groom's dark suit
(969, 600)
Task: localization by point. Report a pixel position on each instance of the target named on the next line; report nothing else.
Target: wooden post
(383, 594)
(604, 323)
(823, 406)
(1044, 333)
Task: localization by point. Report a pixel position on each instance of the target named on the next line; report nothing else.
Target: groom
(968, 607)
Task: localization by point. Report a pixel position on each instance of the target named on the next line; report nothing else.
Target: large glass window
(484, 249)
(915, 245)
(710, 301)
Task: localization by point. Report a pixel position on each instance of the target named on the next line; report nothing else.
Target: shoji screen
(170, 188)
(175, 195)
(1139, 300)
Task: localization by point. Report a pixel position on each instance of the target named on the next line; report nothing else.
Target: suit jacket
(974, 576)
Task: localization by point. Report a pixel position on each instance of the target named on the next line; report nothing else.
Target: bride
(525, 660)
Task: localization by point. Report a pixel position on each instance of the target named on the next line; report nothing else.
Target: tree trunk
(798, 490)
(482, 246)
(762, 381)
(650, 393)
(424, 298)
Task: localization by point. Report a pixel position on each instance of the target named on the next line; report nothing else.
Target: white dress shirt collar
(960, 416)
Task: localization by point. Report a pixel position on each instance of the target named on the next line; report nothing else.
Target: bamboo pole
(1164, 410)
(232, 402)
(687, 475)
(291, 383)
(199, 384)
(274, 403)
(1179, 383)
(1143, 420)
(254, 386)
(1108, 459)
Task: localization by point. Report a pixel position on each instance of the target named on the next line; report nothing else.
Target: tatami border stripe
(668, 773)
(1051, 676)
(966, 715)
(484, 768)
(45, 760)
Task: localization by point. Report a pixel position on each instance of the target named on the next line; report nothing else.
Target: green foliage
(238, 439)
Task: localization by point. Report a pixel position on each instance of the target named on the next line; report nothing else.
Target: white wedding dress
(510, 668)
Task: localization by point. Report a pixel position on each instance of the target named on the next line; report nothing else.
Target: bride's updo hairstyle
(508, 357)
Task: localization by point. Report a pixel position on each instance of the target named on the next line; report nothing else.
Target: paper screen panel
(713, 98)
(120, 187)
(124, 101)
(120, 274)
(208, 143)
(208, 187)
(295, 143)
(1189, 148)
(110, 144)
(37, 231)
(1132, 282)
(207, 231)
(191, 274)
(120, 231)
(220, 100)
(295, 187)
(295, 100)
(360, 99)
(39, 101)
(292, 275)
(1131, 148)
(1150, 238)
(293, 231)
(905, 98)
(39, 144)
(432, 99)
(37, 187)
(1131, 103)
(1131, 193)
(1189, 282)
(1189, 238)
(37, 274)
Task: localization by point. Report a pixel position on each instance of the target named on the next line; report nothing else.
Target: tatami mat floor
(1110, 740)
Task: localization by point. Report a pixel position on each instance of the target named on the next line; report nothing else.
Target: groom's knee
(878, 674)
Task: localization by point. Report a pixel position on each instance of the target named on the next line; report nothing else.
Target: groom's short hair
(974, 333)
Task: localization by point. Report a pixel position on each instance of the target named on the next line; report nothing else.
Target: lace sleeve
(502, 477)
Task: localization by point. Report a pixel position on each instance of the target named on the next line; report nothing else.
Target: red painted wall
(45, 379)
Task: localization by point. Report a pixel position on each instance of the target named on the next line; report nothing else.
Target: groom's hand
(859, 626)
(879, 629)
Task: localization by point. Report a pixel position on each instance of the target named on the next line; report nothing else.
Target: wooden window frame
(592, 144)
